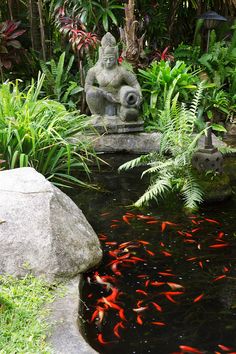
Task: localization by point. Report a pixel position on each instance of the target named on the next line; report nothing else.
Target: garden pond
(167, 282)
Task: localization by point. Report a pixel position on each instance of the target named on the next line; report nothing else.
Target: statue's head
(108, 52)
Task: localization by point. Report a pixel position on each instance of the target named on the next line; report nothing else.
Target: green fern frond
(156, 191)
(139, 161)
(191, 192)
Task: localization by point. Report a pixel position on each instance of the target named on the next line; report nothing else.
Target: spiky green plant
(170, 169)
(37, 132)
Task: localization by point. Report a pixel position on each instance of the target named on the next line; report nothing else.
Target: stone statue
(113, 93)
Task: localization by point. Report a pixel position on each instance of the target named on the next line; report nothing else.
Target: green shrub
(37, 132)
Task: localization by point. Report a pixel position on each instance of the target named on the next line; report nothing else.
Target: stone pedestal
(114, 125)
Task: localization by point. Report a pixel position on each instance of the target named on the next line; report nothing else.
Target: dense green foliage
(37, 132)
(23, 311)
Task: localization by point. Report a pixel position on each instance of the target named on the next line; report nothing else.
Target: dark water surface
(172, 287)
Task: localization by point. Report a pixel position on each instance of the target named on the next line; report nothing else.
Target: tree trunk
(133, 46)
(42, 32)
(34, 25)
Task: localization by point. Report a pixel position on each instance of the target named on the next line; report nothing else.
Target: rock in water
(43, 232)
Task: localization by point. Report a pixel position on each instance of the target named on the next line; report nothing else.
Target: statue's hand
(110, 97)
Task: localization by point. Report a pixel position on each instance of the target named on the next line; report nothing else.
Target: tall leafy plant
(37, 132)
(157, 81)
(170, 169)
(59, 83)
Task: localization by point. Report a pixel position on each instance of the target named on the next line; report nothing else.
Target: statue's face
(109, 61)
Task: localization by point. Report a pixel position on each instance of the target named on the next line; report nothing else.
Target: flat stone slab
(65, 335)
(133, 143)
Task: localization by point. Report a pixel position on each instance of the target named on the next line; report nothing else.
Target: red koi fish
(157, 283)
(113, 226)
(224, 348)
(200, 264)
(145, 217)
(187, 349)
(170, 298)
(142, 276)
(102, 237)
(98, 313)
(219, 245)
(141, 292)
(158, 323)
(111, 304)
(167, 274)
(219, 277)
(101, 340)
(111, 243)
(157, 307)
(126, 219)
(198, 298)
(195, 230)
(116, 328)
(212, 221)
(122, 315)
(220, 234)
(113, 296)
(152, 222)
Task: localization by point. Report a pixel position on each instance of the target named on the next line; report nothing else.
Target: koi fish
(225, 269)
(147, 283)
(224, 348)
(101, 340)
(142, 276)
(162, 244)
(220, 234)
(167, 274)
(122, 314)
(102, 237)
(157, 307)
(113, 226)
(105, 214)
(125, 219)
(219, 245)
(166, 254)
(152, 222)
(150, 252)
(157, 283)
(141, 292)
(219, 277)
(172, 293)
(200, 264)
(116, 328)
(163, 226)
(140, 309)
(170, 298)
(139, 320)
(144, 242)
(212, 221)
(187, 349)
(115, 220)
(111, 243)
(194, 222)
(195, 230)
(111, 304)
(100, 280)
(145, 217)
(198, 298)
(158, 323)
(174, 286)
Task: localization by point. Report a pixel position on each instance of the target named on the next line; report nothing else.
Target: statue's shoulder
(125, 72)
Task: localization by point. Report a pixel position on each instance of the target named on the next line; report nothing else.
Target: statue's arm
(131, 80)
(90, 79)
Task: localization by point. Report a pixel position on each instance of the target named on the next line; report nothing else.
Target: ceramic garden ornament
(113, 93)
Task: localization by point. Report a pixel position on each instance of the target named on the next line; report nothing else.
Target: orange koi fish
(157, 307)
(139, 320)
(158, 323)
(163, 226)
(187, 349)
(144, 242)
(116, 328)
(170, 298)
(198, 298)
(195, 230)
(150, 252)
(200, 264)
(152, 222)
(111, 243)
(101, 340)
(102, 237)
(113, 226)
(174, 286)
(166, 254)
(145, 217)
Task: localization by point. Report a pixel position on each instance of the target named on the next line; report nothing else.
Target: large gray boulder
(41, 229)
